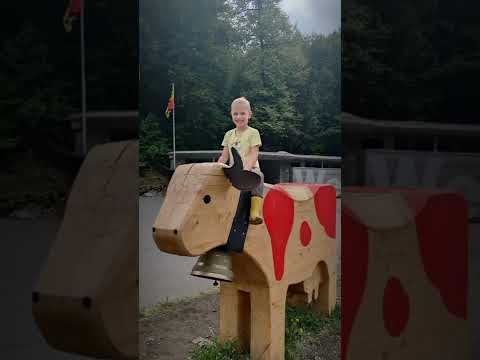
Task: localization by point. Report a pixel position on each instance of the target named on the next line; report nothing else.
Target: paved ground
(162, 276)
(25, 245)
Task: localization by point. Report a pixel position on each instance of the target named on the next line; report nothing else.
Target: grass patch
(160, 308)
(313, 322)
(229, 350)
(298, 323)
(168, 305)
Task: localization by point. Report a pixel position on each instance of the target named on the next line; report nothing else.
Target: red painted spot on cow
(325, 208)
(354, 263)
(396, 307)
(278, 209)
(305, 233)
(442, 228)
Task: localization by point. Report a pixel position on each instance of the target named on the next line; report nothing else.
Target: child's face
(240, 115)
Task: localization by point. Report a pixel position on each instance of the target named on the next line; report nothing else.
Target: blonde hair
(241, 100)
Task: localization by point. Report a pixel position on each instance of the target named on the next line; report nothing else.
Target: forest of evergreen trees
(410, 60)
(40, 69)
(217, 50)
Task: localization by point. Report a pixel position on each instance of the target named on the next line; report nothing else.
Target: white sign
(454, 171)
(312, 175)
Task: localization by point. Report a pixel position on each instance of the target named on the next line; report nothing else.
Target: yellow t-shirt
(243, 142)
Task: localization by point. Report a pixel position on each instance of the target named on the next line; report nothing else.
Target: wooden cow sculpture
(293, 250)
(404, 275)
(86, 297)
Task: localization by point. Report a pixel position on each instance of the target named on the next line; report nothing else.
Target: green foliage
(312, 322)
(229, 350)
(40, 69)
(153, 145)
(218, 50)
(32, 97)
(298, 323)
(409, 60)
(305, 321)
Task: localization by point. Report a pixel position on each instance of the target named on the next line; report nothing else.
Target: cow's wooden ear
(240, 179)
(236, 163)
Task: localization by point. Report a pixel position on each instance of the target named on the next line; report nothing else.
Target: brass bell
(215, 265)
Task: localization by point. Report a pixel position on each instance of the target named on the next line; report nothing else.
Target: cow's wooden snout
(170, 241)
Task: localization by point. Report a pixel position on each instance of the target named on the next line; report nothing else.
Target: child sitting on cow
(247, 141)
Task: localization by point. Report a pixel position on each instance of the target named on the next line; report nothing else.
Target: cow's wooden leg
(327, 292)
(234, 314)
(268, 323)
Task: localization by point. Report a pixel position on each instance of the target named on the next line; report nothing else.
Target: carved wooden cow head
(200, 205)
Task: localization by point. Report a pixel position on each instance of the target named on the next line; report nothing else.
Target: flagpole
(84, 90)
(173, 126)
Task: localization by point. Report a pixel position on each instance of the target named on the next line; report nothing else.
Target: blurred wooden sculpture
(86, 299)
(404, 275)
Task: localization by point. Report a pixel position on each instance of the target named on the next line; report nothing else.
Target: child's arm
(224, 157)
(251, 158)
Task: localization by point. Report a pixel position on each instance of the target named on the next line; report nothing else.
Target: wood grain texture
(404, 275)
(86, 298)
(252, 307)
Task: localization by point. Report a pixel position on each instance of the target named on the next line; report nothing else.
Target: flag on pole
(73, 10)
(171, 104)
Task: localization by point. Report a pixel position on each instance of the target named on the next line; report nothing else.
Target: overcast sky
(319, 16)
